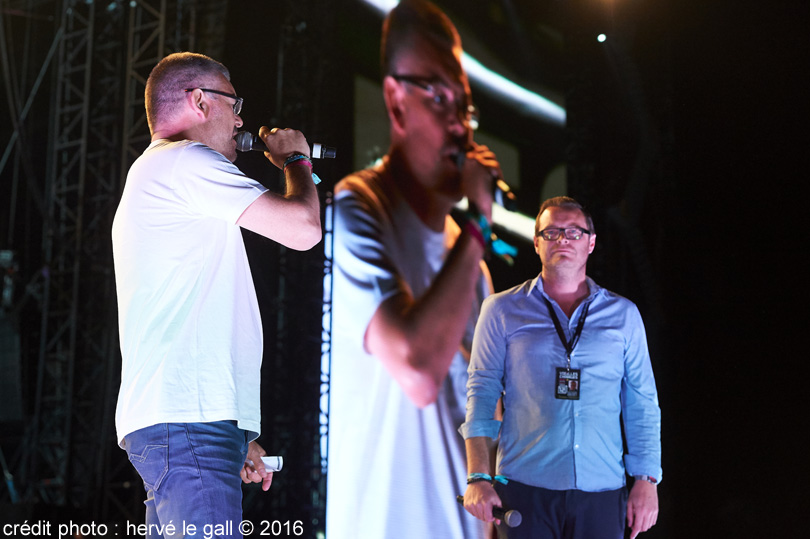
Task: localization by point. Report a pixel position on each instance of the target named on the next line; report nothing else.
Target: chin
(450, 186)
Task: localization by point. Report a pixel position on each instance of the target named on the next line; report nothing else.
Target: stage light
(601, 38)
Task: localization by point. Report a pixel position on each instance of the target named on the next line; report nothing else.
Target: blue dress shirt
(564, 444)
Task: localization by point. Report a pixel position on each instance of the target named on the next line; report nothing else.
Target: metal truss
(68, 455)
(50, 435)
(94, 69)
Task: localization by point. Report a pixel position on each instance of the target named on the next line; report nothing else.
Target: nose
(458, 127)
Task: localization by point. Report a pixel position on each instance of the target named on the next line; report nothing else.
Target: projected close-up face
(431, 112)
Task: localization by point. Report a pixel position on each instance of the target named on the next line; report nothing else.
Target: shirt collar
(593, 288)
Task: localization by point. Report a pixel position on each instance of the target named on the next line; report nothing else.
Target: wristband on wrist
(470, 481)
(300, 159)
(647, 478)
(491, 242)
(472, 228)
(297, 158)
(476, 477)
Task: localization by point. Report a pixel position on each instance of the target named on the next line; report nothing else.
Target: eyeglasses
(237, 107)
(553, 234)
(443, 99)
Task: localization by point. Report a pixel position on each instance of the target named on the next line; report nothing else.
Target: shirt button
(576, 446)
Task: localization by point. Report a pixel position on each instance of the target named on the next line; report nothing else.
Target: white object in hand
(273, 464)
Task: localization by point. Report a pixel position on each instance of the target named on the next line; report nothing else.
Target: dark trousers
(563, 514)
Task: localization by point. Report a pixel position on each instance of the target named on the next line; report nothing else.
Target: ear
(394, 104)
(198, 104)
(592, 243)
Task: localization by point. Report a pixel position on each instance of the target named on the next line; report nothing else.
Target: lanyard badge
(567, 383)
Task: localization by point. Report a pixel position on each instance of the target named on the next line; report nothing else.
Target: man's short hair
(418, 19)
(566, 203)
(171, 76)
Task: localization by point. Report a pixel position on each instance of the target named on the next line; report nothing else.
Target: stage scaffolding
(75, 70)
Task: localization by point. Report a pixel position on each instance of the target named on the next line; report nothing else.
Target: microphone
(502, 193)
(511, 518)
(246, 141)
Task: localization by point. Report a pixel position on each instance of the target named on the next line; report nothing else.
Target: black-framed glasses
(443, 98)
(571, 233)
(237, 106)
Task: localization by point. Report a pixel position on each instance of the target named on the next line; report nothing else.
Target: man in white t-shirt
(191, 339)
(408, 283)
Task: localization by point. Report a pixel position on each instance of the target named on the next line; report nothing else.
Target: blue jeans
(191, 475)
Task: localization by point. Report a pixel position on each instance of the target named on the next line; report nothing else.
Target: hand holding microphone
(247, 141)
(501, 192)
(511, 517)
(482, 184)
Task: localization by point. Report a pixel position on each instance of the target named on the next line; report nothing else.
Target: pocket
(148, 451)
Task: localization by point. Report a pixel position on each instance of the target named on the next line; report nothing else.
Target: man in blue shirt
(572, 363)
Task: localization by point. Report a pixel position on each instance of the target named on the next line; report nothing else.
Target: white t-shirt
(189, 323)
(394, 469)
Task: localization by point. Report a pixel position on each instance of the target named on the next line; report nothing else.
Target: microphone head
(512, 518)
(244, 141)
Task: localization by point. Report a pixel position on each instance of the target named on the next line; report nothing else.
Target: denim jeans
(191, 475)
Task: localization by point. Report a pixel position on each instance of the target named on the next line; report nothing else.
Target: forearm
(417, 338)
(480, 497)
(292, 219)
(479, 454)
(301, 191)
(437, 321)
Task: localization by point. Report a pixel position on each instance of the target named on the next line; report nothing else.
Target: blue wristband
(476, 477)
(492, 243)
(300, 157)
(295, 157)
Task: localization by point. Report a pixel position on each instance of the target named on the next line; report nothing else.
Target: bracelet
(478, 225)
(476, 477)
(300, 159)
(647, 478)
(294, 158)
(474, 231)
(491, 242)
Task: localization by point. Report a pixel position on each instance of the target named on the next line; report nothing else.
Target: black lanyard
(569, 346)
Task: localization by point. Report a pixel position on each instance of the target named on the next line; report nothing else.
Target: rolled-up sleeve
(640, 410)
(486, 382)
